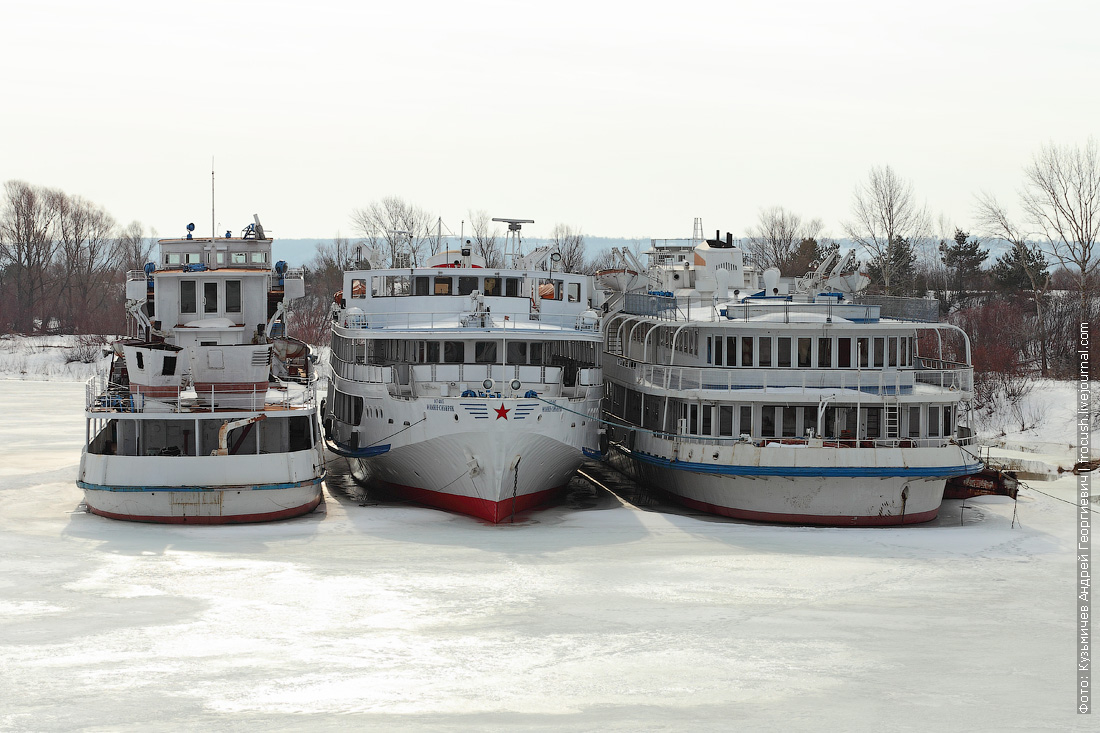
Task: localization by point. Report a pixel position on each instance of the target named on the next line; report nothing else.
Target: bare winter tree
(886, 218)
(309, 316)
(569, 243)
(777, 237)
(134, 248)
(995, 221)
(395, 228)
(27, 245)
(484, 238)
(87, 266)
(1061, 197)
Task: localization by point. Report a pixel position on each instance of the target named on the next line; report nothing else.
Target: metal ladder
(892, 411)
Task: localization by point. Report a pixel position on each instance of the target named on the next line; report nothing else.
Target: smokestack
(729, 239)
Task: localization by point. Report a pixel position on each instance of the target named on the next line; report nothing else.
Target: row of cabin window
(806, 352)
(235, 258)
(785, 421)
(390, 351)
(211, 289)
(400, 285)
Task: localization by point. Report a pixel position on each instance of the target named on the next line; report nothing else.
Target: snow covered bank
(40, 358)
(594, 615)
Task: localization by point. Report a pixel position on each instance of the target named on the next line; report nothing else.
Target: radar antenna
(512, 242)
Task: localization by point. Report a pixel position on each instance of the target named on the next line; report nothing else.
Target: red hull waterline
(491, 511)
(234, 519)
(815, 519)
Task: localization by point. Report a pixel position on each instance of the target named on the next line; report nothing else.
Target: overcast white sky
(625, 119)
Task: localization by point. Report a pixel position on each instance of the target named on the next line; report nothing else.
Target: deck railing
(670, 308)
(870, 381)
(620, 433)
(457, 321)
(102, 395)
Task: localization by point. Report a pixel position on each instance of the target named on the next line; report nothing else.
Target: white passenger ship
(786, 401)
(469, 388)
(190, 425)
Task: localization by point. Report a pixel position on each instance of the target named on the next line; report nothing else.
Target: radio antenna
(213, 231)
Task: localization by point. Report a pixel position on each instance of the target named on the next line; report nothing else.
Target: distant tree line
(63, 262)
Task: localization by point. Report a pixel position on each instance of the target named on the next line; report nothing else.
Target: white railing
(102, 395)
(870, 381)
(619, 433)
(668, 308)
(478, 321)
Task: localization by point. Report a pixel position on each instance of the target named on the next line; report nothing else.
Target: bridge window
(188, 296)
(442, 285)
(767, 421)
(784, 351)
(232, 296)
(824, 353)
(844, 353)
(790, 425)
(210, 297)
(725, 420)
(766, 351)
(804, 347)
(485, 352)
(517, 352)
(454, 352)
(466, 285)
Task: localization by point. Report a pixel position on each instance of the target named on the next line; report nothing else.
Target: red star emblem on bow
(501, 411)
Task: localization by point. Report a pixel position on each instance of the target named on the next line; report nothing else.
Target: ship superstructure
(470, 388)
(774, 399)
(208, 413)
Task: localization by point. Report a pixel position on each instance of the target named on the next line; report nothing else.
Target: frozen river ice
(597, 615)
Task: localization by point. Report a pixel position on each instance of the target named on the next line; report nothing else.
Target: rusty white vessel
(469, 388)
(783, 400)
(208, 412)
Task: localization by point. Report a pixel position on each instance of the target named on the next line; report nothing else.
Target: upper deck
(468, 298)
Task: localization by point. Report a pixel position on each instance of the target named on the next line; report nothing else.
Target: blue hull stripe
(809, 471)
(151, 489)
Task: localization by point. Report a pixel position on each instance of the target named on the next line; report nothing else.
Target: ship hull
(202, 506)
(477, 473)
(202, 489)
(828, 487)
